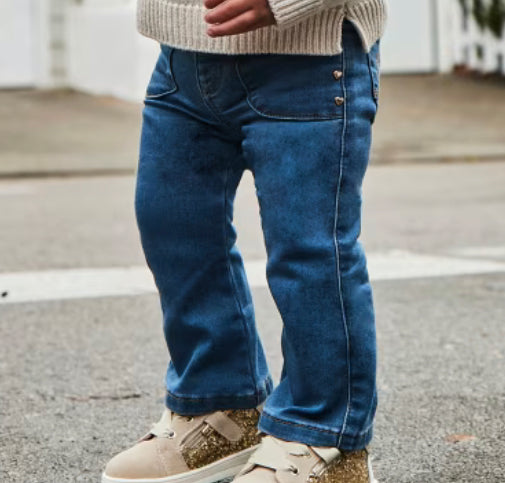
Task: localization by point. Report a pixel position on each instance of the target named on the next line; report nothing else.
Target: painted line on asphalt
(38, 286)
(402, 264)
(484, 252)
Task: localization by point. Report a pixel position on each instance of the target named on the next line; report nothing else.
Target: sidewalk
(65, 132)
(440, 118)
(421, 119)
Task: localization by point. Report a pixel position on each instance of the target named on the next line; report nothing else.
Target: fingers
(230, 17)
(212, 3)
(243, 23)
(226, 10)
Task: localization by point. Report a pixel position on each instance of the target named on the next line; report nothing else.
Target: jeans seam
(168, 72)
(338, 275)
(373, 81)
(210, 106)
(292, 423)
(213, 396)
(315, 428)
(233, 284)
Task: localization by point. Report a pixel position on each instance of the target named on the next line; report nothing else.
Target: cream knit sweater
(303, 26)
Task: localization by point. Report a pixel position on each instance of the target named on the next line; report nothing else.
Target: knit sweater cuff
(290, 12)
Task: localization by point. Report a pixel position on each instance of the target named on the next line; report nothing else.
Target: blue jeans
(302, 125)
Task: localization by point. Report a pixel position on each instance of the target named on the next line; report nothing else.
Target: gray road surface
(82, 378)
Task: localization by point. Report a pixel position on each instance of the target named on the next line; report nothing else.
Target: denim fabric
(207, 118)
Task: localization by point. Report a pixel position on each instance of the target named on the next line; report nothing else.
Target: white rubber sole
(226, 467)
(371, 476)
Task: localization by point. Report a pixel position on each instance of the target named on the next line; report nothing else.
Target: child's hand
(237, 16)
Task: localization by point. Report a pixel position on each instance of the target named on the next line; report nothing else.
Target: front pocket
(374, 67)
(293, 86)
(162, 81)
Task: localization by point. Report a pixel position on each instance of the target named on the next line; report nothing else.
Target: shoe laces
(164, 427)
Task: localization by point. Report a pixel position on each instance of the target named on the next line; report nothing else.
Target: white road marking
(15, 190)
(17, 287)
(402, 264)
(484, 252)
(74, 284)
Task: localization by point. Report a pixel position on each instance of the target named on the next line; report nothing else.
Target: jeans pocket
(162, 80)
(293, 86)
(374, 67)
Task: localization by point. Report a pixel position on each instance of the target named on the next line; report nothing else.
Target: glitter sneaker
(191, 449)
(280, 461)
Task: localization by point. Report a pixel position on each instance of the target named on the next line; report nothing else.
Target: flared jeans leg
(302, 125)
(187, 176)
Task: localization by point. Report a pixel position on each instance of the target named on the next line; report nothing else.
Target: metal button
(339, 101)
(337, 74)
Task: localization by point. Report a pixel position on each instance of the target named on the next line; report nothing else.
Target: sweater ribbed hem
(290, 12)
(183, 26)
(369, 18)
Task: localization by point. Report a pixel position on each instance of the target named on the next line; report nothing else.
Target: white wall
(447, 25)
(16, 43)
(32, 43)
(409, 44)
(105, 54)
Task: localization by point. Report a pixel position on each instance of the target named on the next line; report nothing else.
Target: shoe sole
(371, 476)
(218, 470)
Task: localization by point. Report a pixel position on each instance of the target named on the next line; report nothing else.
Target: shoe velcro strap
(327, 453)
(270, 454)
(224, 425)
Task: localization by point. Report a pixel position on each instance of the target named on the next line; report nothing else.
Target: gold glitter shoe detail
(295, 462)
(351, 467)
(212, 446)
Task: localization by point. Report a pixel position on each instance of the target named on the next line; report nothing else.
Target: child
(289, 90)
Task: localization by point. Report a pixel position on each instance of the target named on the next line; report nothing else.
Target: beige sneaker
(191, 449)
(280, 461)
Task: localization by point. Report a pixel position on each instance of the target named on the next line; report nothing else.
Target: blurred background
(68, 43)
(82, 356)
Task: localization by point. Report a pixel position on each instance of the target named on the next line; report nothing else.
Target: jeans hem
(193, 405)
(311, 435)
